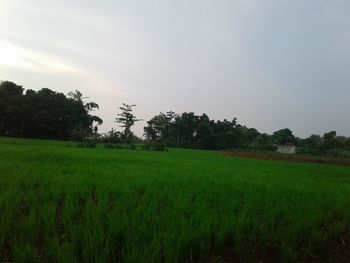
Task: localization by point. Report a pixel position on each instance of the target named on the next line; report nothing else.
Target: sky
(272, 64)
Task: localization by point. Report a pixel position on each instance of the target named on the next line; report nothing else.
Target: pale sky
(271, 63)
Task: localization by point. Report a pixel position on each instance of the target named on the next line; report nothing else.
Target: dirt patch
(288, 158)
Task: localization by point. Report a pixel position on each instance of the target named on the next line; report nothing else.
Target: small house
(286, 148)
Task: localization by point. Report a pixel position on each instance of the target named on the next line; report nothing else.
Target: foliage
(45, 114)
(192, 131)
(113, 146)
(127, 119)
(147, 146)
(130, 146)
(109, 146)
(188, 130)
(112, 137)
(283, 136)
(159, 146)
(329, 144)
(155, 146)
(49, 114)
(87, 144)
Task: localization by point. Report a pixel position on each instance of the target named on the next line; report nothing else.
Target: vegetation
(45, 114)
(127, 119)
(188, 130)
(68, 204)
(49, 114)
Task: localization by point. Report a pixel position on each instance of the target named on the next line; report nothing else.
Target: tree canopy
(45, 113)
(53, 115)
(127, 119)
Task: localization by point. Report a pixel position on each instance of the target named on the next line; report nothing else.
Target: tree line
(188, 130)
(53, 115)
(45, 114)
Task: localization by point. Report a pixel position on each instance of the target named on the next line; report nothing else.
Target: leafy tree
(45, 114)
(11, 108)
(330, 141)
(127, 119)
(204, 135)
(94, 120)
(159, 126)
(312, 144)
(283, 136)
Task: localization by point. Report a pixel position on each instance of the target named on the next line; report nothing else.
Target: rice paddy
(60, 203)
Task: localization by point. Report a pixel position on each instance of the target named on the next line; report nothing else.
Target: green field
(59, 203)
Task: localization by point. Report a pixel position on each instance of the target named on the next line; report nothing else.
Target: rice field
(60, 203)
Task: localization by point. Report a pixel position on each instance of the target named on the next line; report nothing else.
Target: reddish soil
(289, 158)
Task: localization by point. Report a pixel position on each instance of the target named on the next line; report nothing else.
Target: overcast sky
(270, 63)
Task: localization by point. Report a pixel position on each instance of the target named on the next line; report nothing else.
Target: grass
(59, 203)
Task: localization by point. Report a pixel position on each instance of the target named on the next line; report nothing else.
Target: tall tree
(283, 136)
(86, 107)
(127, 119)
(45, 113)
(330, 140)
(11, 108)
(160, 126)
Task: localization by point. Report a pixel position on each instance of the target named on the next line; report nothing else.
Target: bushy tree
(283, 136)
(45, 113)
(127, 119)
(312, 144)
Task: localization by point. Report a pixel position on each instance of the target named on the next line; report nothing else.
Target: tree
(204, 133)
(330, 140)
(312, 144)
(11, 108)
(161, 127)
(283, 136)
(77, 96)
(127, 119)
(45, 114)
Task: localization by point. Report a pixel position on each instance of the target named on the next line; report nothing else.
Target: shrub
(109, 146)
(130, 146)
(338, 153)
(159, 146)
(118, 146)
(80, 145)
(87, 144)
(113, 146)
(90, 144)
(155, 146)
(147, 147)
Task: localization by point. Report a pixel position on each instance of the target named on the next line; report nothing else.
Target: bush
(113, 146)
(158, 146)
(80, 145)
(87, 144)
(90, 144)
(155, 146)
(130, 146)
(338, 153)
(118, 146)
(147, 147)
(109, 146)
